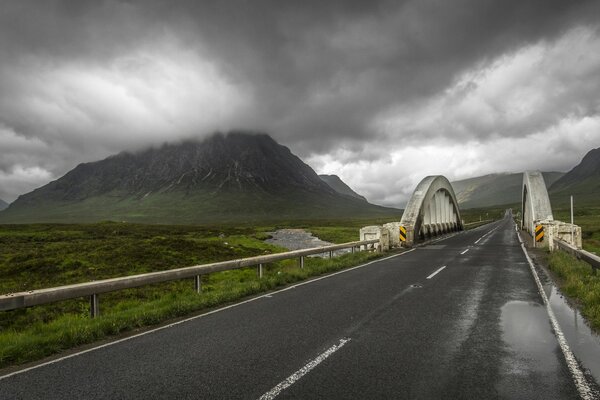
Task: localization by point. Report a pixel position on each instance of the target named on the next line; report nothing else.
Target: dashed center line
(464, 251)
(436, 272)
(290, 380)
(486, 234)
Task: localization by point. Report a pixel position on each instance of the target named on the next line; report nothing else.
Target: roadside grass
(579, 281)
(39, 256)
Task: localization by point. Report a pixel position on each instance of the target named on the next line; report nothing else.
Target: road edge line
(581, 383)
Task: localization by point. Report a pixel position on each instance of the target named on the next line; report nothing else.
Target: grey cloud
(317, 73)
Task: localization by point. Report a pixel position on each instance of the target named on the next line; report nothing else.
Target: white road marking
(487, 234)
(436, 272)
(290, 380)
(464, 251)
(578, 377)
(196, 317)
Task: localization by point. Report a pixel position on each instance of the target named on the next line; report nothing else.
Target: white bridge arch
(432, 210)
(535, 203)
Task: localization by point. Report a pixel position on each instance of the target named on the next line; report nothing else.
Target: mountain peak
(237, 175)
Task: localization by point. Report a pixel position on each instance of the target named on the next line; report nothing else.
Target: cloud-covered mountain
(238, 177)
(3, 204)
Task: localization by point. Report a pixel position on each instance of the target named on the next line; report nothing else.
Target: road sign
(539, 233)
(402, 234)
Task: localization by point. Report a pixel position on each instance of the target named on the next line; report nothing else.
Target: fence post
(301, 260)
(198, 283)
(330, 255)
(260, 270)
(94, 306)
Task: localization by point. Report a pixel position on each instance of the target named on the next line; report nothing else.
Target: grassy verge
(38, 256)
(579, 281)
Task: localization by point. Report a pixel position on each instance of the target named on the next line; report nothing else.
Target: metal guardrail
(586, 256)
(13, 301)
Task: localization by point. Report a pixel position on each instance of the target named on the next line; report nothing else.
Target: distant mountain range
(583, 182)
(3, 204)
(339, 186)
(495, 189)
(238, 177)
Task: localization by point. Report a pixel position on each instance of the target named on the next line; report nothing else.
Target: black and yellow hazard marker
(402, 234)
(539, 233)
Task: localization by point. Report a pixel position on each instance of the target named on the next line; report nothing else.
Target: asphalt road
(475, 330)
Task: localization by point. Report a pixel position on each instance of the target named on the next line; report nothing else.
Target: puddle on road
(296, 239)
(584, 343)
(527, 331)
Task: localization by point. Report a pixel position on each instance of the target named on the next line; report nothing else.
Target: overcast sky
(381, 93)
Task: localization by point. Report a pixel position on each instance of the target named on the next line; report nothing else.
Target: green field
(46, 255)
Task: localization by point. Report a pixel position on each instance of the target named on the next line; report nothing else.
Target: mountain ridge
(337, 184)
(582, 182)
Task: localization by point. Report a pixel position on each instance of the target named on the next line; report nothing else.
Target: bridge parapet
(373, 232)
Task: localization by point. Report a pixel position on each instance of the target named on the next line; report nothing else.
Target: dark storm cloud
(83, 79)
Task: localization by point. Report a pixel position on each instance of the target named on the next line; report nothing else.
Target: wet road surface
(458, 319)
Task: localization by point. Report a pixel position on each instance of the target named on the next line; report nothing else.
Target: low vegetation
(579, 281)
(46, 255)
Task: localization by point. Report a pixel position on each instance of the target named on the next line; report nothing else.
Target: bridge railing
(581, 254)
(13, 301)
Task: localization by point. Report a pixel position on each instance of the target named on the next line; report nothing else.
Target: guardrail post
(301, 261)
(330, 255)
(353, 249)
(260, 270)
(94, 306)
(198, 283)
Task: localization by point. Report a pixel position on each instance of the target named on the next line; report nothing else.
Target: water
(296, 239)
(584, 343)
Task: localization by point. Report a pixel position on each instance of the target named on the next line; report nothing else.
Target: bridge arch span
(535, 203)
(432, 210)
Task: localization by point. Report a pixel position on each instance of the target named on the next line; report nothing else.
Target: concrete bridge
(431, 211)
(537, 218)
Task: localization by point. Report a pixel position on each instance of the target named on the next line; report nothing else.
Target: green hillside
(495, 189)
